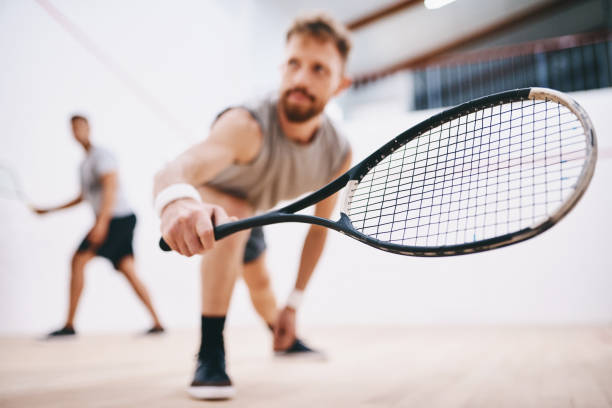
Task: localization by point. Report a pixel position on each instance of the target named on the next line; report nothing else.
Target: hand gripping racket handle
(285, 214)
(223, 230)
(220, 232)
(275, 217)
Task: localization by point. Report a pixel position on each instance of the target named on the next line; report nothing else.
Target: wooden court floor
(367, 367)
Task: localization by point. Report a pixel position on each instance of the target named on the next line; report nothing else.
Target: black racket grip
(164, 246)
(220, 232)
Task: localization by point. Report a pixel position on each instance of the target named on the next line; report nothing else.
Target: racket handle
(223, 230)
(220, 231)
(164, 246)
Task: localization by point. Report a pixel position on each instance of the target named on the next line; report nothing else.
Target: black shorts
(118, 242)
(255, 245)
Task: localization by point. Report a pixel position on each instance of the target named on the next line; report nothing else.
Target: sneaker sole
(212, 392)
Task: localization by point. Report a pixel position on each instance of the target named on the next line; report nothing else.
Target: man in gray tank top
(111, 236)
(256, 155)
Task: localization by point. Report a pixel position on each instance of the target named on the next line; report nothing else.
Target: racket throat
(349, 190)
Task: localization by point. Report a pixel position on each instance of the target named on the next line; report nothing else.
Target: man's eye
(292, 63)
(319, 69)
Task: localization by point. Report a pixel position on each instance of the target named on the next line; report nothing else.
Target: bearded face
(300, 106)
(312, 74)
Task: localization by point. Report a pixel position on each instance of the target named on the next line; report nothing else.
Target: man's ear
(345, 83)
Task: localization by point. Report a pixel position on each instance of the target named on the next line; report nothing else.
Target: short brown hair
(74, 118)
(322, 27)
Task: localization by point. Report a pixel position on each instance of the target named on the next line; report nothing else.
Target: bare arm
(109, 195)
(98, 233)
(234, 138)
(69, 204)
(187, 226)
(317, 235)
(284, 329)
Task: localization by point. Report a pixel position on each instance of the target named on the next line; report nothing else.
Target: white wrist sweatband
(295, 299)
(173, 193)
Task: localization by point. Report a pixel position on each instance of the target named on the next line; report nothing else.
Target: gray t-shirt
(283, 169)
(98, 162)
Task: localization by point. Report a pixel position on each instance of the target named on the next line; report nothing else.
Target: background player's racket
(488, 173)
(10, 187)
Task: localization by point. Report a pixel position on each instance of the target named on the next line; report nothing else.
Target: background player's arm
(284, 329)
(69, 204)
(98, 233)
(187, 225)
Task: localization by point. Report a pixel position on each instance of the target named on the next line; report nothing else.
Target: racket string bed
(481, 175)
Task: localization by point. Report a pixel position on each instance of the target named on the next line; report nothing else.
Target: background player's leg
(126, 267)
(257, 279)
(77, 281)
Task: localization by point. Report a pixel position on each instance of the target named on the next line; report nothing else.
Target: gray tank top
(283, 169)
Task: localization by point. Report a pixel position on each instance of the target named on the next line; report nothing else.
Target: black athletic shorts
(255, 245)
(118, 242)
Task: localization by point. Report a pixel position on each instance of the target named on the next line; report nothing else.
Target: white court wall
(562, 277)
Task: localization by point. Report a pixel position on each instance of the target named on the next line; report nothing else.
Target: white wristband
(173, 193)
(295, 299)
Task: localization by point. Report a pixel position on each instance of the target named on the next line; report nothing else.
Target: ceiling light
(435, 4)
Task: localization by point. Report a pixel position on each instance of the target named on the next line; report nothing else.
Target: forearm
(69, 204)
(195, 166)
(311, 252)
(235, 137)
(109, 195)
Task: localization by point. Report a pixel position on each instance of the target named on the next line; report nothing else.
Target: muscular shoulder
(239, 130)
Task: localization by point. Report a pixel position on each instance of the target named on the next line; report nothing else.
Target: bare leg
(256, 277)
(222, 265)
(77, 280)
(126, 266)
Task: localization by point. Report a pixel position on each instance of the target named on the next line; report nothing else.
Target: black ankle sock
(212, 336)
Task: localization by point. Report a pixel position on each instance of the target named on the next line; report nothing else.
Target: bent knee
(258, 283)
(80, 259)
(235, 242)
(256, 279)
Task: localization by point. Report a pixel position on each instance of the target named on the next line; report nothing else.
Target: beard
(299, 113)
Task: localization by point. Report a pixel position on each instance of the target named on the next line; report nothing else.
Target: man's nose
(300, 78)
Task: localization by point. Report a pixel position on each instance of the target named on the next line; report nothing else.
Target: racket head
(488, 173)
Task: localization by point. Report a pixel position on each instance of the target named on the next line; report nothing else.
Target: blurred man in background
(111, 236)
(255, 156)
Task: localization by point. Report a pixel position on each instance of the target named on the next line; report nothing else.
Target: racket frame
(351, 178)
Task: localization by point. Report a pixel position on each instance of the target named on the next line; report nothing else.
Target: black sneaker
(156, 330)
(64, 332)
(210, 381)
(299, 349)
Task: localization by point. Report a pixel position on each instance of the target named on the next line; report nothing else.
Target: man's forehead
(313, 46)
